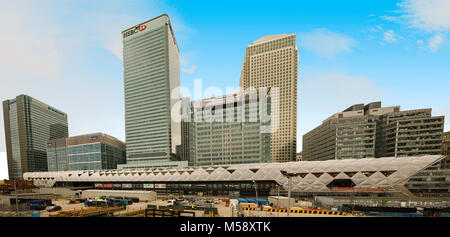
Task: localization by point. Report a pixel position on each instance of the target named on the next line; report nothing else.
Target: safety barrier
(321, 212)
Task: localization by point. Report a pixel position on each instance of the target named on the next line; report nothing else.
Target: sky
(68, 54)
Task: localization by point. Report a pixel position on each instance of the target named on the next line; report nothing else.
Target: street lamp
(289, 176)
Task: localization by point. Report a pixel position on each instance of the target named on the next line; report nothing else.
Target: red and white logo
(142, 27)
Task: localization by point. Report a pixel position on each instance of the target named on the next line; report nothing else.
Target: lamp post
(289, 176)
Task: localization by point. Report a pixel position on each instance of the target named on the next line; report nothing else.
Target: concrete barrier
(320, 212)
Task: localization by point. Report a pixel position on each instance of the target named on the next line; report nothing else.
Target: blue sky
(68, 53)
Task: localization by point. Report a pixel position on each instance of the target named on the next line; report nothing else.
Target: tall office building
(242, 139)
(86, 152)
(374, 131)
(272, 61)
(29, 124)
(151, 72)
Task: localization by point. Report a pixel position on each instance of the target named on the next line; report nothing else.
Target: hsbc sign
(134, 31)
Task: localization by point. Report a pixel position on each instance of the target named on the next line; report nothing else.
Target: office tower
(374, 131)
(214, 141)
(272, 61)
(86, 152)
(29, 124)
(151, 73)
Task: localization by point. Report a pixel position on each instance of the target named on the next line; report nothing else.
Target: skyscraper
(151, 72)
(272, 61)
(29, 124)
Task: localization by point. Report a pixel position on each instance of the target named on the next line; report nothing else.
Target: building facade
(151, 72)
(224, 131)
(430, 182)
(410, 133)
(29, 124)
(298, 157)
(446, 151)
(272, 62)
(370, 130)
(86, 152)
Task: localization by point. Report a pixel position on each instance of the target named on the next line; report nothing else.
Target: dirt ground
(222, 209)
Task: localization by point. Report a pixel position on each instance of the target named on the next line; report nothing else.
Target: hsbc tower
(151, 71)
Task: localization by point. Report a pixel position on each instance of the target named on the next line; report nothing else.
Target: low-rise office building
(85, 152)
(370, 130)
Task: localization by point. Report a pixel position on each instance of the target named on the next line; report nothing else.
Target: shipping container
(117, 186)
(107, 185)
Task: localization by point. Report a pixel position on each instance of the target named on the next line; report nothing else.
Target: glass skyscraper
(29, 124)
(151, 73)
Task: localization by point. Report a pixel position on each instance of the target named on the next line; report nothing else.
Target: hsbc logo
(134, 31)
(142, 27)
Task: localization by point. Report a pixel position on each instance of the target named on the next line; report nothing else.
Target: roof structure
(312, 175)
(269, 38)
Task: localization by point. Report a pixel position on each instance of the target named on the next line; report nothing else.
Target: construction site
(373, 187)
(66, 202)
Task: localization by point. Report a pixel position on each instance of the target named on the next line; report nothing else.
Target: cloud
(190, 70)
(327, 43)
(428, 15)
(332, 91)
(376, 28)
(326, 93)
(24, 45)
(3, 166)
(107, 28)
(436, 42)
(390, 36)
